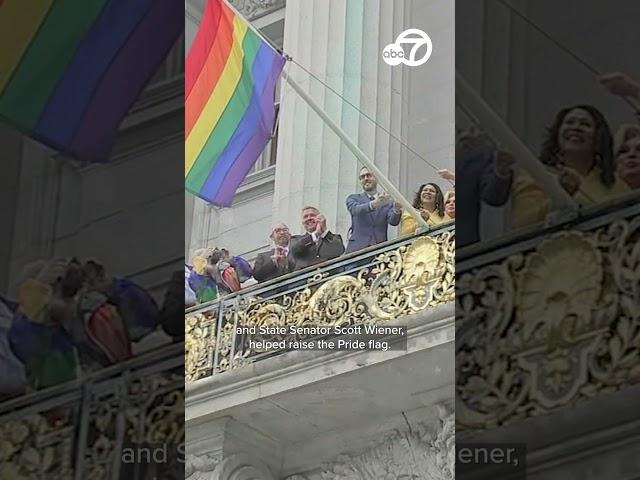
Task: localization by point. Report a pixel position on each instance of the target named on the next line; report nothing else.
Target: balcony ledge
(217, 394)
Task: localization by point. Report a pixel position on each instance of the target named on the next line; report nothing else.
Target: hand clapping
(321, 225)
(279, 255)
(381, 199)
(569, 180)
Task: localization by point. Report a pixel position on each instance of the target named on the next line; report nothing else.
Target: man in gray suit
(371, 213)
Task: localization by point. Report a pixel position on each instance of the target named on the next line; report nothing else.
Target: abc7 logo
(394, 54)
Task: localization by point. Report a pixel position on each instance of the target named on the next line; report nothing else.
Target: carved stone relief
(550, 326)
(426, 452)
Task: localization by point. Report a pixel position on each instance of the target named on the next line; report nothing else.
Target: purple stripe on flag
(126, 78)
(251, 152)
(64, 109)
(251, 123)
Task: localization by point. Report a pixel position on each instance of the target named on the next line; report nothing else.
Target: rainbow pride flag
(231, 75)
(71, 69)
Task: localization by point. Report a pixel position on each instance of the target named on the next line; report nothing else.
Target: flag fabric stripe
(210, 72)
(126, 78)
(230, 105)
(71, 68)
(110, 32)
(42, 65)
(219, 97)
(228, 121)
(18, 25)
(202, 43)
(245, 160)
(244, 132)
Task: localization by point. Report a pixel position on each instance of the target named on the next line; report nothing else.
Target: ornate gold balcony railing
(79, 429)
(549, 318)
(385, 282)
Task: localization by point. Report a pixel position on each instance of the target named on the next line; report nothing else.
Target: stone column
(225, 449)
(341, 43)
(9, 199)
(38, 188)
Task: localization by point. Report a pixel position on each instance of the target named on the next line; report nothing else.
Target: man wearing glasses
(371, 213)
(277, 261)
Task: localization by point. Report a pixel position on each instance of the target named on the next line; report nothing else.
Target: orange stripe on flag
(211, 71)
(202, 43)
(218, 99)
(19, 24)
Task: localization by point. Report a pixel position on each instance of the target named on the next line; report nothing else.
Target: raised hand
(279, 256)
(447, 174)
(472, 139)
(381, 199)
(321, 225)
(620, 84)
(569, 180)
(504, 163)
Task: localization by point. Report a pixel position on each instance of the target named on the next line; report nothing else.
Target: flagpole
(360, 155)
(499, 131)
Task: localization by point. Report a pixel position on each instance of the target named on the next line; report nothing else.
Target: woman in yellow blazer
(578, 150)
(429, 201)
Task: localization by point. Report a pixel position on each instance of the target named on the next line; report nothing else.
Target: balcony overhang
(317, 405)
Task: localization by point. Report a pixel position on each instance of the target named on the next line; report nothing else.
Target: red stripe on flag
(211, 71)
(202, 42)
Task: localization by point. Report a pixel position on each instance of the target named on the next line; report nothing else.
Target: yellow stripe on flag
(19, 23)
(218, 99)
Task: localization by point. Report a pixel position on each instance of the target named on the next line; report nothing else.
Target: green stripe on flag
(46, 60)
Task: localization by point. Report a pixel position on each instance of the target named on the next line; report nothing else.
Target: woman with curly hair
(578, 150)
(429, 201)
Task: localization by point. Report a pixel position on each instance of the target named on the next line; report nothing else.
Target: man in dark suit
(318, 244)
(277, 261)
(371, 213)
(484, 174)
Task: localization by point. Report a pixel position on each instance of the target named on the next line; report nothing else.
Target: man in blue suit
(371, 214)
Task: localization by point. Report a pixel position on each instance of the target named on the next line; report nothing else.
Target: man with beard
(371, 213)
(318, 244)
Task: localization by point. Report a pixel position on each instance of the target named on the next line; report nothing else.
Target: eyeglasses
(365, 175)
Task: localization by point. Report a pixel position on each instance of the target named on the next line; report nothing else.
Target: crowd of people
(216, 272)
(70, 319)
(590, 162)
